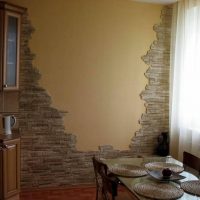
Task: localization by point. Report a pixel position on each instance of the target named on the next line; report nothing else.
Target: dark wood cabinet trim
(1, 172)
(6, 10)
(2, 50)
(8, 146)
(16, 15)
(11, 7)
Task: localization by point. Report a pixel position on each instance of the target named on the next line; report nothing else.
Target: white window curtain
(185, 79)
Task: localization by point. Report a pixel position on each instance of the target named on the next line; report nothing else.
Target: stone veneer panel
(48, 154)
(156, 94)
(49, 157)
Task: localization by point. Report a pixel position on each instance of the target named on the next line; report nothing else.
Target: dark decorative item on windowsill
(163, 144)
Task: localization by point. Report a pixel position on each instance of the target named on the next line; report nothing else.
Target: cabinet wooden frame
(9, 10)
(2, 20)
(18, 17)
(11, 177)
(1, 173)
(9, 166)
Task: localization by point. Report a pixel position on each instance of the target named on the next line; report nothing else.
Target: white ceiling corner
(164, 2)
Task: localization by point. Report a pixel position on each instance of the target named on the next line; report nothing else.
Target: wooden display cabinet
(9, 166)
(10, 28)
(10, 22)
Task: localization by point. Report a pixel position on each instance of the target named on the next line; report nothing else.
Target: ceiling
(157, 1)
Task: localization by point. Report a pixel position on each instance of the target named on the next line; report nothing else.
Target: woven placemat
(161, 165)
(192, 187)
(127, 170)
(160, 191)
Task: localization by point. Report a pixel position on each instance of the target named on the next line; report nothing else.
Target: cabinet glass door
(12, 53)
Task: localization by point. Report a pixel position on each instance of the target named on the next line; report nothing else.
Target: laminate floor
(72, 193)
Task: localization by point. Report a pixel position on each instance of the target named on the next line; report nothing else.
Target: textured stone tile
(48, 153)
(156, 94)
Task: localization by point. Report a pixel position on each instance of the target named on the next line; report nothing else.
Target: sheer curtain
(185, 79)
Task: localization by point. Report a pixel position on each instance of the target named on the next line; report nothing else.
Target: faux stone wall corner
(49, 157)
(156, 94)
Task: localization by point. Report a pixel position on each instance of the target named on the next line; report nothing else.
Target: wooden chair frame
(191, 161)
(99, 169)
(109, 187)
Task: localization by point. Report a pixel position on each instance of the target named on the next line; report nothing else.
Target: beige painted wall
(89, 54)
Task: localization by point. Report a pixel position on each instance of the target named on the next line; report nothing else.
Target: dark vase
(163, 144)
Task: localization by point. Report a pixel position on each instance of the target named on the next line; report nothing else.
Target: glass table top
(130, 182)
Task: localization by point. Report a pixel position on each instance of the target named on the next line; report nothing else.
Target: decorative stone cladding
(49, 157)
(48, 154)
(156, 94)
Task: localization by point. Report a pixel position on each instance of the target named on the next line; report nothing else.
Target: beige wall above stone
(113, 72)
(89, 56)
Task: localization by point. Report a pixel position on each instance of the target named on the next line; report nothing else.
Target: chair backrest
(191, 161)
(107, 184)
(109, 187)
(99, 168)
